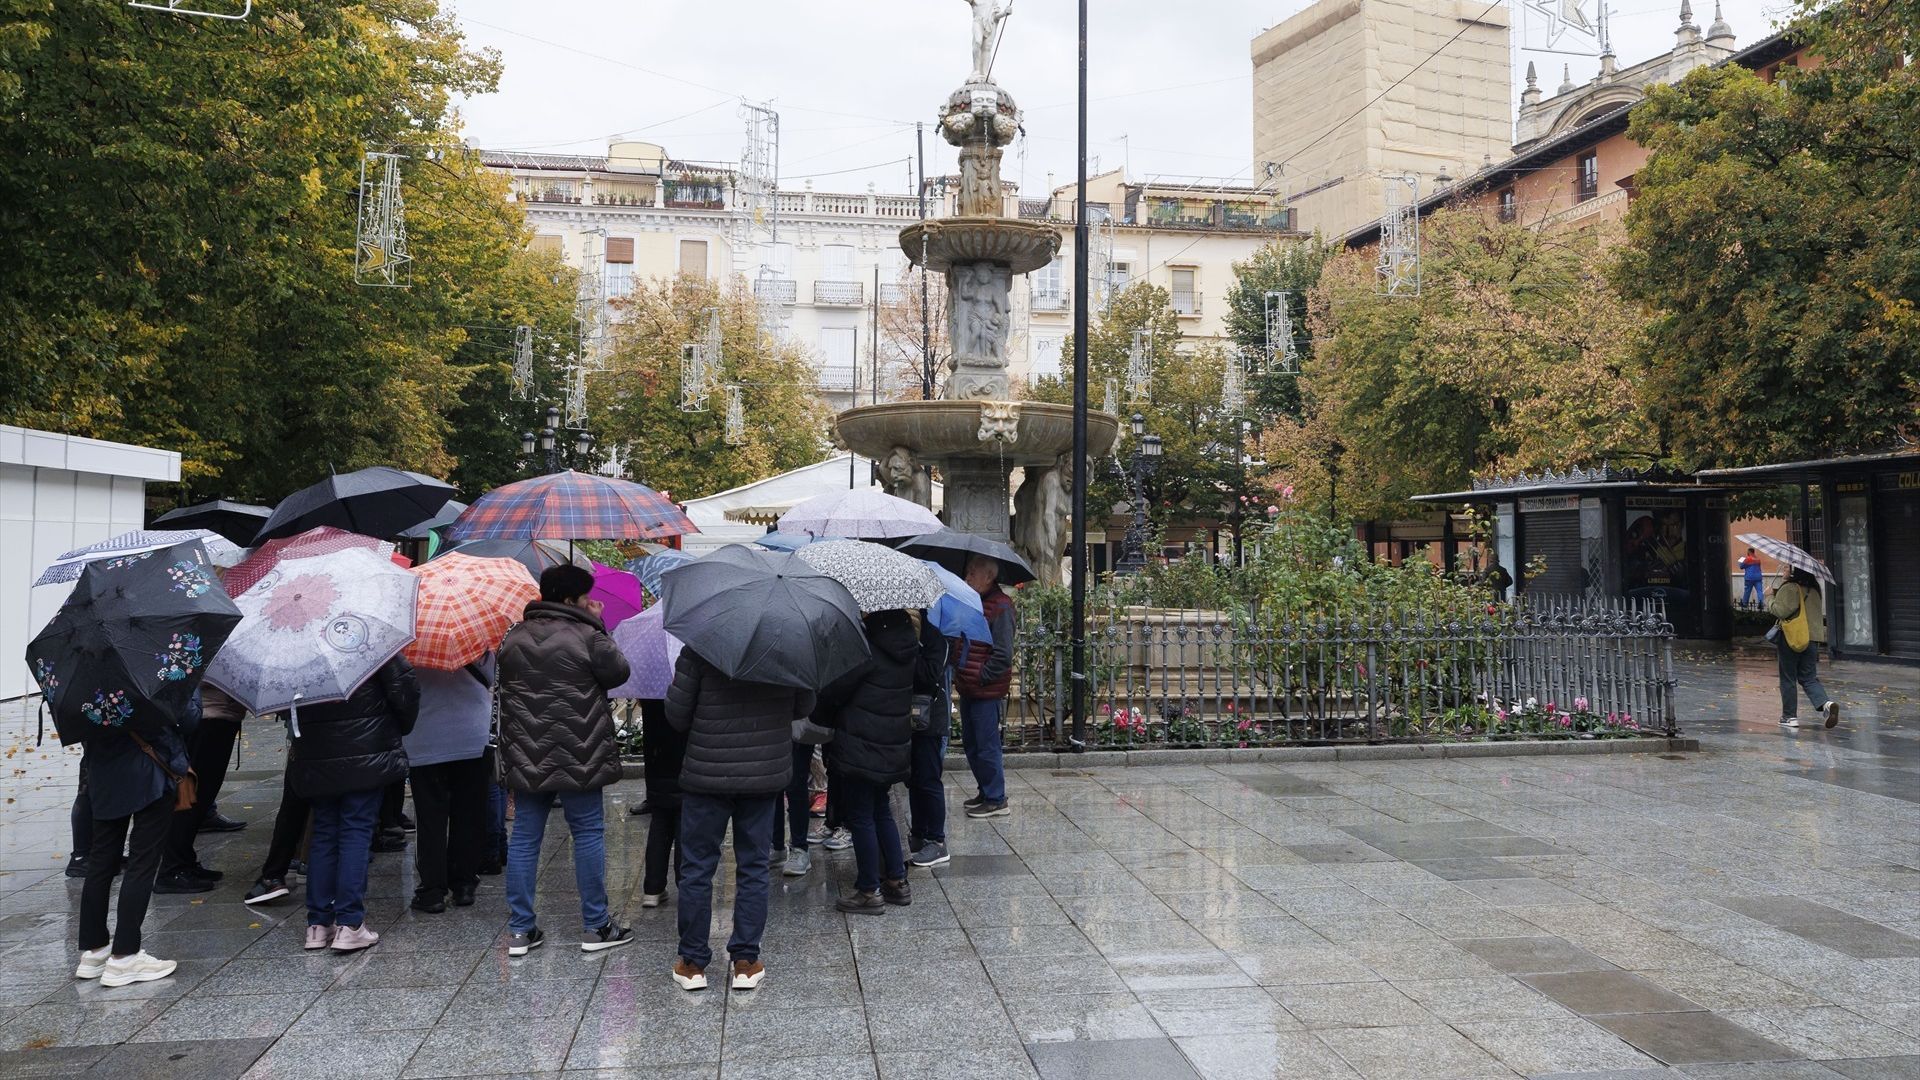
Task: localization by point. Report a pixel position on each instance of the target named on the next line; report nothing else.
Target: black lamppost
(1140, 468)
(548, 440)
(1240, 432)
(1335, 452)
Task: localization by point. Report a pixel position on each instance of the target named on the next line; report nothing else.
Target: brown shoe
(688, 976)
(748, 973)
(897, 893)
(861, 903)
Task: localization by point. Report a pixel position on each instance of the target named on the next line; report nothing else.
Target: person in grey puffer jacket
(557, 745)
(738, 759)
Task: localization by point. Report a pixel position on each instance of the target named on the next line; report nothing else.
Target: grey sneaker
(610, 936)
(799, 861)
(932, 853)
(838, 840)
(522, 944)
(989, 809)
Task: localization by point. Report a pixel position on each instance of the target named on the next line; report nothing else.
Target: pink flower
(1105, 709)
(1360, 670)
(1273, 511)
(1243, 725)
(299, 602)
(1565, 720)
(1579, 704)
(1286, 492)
(1500, 714)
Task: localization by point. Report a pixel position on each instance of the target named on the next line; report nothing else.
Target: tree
(181, 203)
(903, 344)
(1292, 268)
(1772, 233)
(634, 406)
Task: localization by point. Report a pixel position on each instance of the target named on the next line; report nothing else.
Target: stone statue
(1043, 509)
(987, 17)
(904, 479)
(978, 312)
(980, 189)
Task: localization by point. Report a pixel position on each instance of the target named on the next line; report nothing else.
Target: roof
(515, 159)
(1576, 481)
(1795, 470)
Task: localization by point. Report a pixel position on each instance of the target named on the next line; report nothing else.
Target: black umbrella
(951, 548)
(237, 521)
(379, 502)
(129, 646)
(764, 616)
(535, 555)
(441, 520)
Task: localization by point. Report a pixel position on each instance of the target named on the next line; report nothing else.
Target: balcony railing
(840, 293)
(776, 290)
(1050, 301)
(1187, 306)
(1612, 202)
(893, 294)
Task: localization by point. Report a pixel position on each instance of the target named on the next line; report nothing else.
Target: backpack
(1794, 629)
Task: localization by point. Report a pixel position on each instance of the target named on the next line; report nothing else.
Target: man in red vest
(981, 677)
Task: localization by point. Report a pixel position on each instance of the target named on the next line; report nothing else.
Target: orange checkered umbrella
(465, 607)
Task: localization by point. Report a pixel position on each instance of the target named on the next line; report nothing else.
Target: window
(693, 258)
(619, 266)
(1509, 208)
(1046, 356)
(1186, 298)
(1587, 176)
(839, 356)
(548, 244)
(1049, 285)
(836, 262)
(781, 259)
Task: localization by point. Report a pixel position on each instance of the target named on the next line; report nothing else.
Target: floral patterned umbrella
(315, 629)
(219, 551)
(316, 541)
(466, 605)
(880, 579)
(130, 645)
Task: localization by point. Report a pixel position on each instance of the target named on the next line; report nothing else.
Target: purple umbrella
(619, 592)
(651, 652)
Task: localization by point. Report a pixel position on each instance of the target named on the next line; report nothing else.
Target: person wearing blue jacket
(131, 784)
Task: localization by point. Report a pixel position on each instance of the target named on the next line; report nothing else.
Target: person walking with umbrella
(1797, 637)
(557, 745)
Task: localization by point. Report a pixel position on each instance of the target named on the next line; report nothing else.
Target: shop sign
(1904, 481)
(1656, 502)
(1543, 503)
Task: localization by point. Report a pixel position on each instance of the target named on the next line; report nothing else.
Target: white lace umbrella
(315, 629)
(1782, 552)
(220, 551)
(859, 513)
(880, 579)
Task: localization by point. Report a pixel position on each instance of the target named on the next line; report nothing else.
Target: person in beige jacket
(1802, 666)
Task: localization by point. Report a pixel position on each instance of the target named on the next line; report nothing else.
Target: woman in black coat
(344, 755)
(870, 710)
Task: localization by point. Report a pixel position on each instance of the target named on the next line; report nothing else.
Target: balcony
(893, 294)
(1610, 205)
(1187, 307)
(840, 293)
(775, 290)
(1050, 301)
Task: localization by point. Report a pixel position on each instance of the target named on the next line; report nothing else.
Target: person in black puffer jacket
(738, 758)
(870, 710)
(557, 745)
(344, 754)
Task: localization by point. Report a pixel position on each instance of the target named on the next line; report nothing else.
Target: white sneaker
(652, 899)
(1789, 721)
(838, 840)
(138, 968)
(93, 964)
(798, 862)
(1833, 713)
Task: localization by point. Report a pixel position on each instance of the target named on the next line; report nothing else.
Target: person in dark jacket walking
(557, 744)
(982, 676)
(446, 760)
(130, 790)
(738, 760)
(870, 710)
(344, 755)
(209, 749)
(664, 750)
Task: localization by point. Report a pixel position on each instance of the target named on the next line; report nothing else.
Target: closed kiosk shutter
(1554, 536)
(1897, 515)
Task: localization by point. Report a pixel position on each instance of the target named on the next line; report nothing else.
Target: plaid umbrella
(650, 652)
(859, 513)
(321, 541)
(880, 579)
(466, 605)
(1782, 552)
(649, 569)
(571, 506)
(218, 551)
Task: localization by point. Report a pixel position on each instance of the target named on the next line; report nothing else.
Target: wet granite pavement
(1745, 912)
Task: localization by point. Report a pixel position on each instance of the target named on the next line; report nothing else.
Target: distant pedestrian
(932, 725)
(557, 745)
(870, 710)
(446, 761)
(982, 676)
(345, 754)
(739, 759)
(1797, 637)
(209, 750)
(664, 752)
(1751, 594)
(132, 785)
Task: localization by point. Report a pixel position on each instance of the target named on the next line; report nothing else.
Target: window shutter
(837, 262)
(619, 249)
(546, 244)
(693, 258)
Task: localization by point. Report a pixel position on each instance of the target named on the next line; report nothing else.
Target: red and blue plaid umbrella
(571, 506)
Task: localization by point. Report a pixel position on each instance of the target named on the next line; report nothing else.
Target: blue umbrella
(786, 541)
(958, 613)
(649, 569)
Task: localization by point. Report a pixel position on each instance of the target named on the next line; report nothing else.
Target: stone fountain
(975, 435)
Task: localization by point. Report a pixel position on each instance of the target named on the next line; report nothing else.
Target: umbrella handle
(293, 717)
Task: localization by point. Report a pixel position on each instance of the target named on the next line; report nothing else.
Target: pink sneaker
(353, 938)
(319, 937)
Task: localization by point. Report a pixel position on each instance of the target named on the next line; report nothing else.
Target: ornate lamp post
(548, 440)
(1140, 468)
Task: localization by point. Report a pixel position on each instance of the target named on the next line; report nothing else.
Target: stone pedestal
(976, 496)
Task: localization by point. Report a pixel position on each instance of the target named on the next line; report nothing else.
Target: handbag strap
(147, 749)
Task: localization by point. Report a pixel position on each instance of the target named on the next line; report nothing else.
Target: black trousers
(393, 803)
(289, 828)
(210, 754)
(450, 803)
(148, 827)
(663, 841)
(80, 819)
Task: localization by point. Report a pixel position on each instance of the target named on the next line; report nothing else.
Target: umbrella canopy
(466, 605)
(950, 549)
(862, 514)
(67, 567)
(378, 502)
(315, 629)
(786, 541)
(619, 594)
(650, 652)
(129, 647)
(448, 515)
(321, 541)
(959, 612)
(535, 555)
(880, 579)
(235, 521)
(572, 506)
(1782, 552)
(649, 569)
(765, 616)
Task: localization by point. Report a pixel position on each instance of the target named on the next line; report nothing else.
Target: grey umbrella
(951, 548)
(237, 521)
(441, 520)
(764, 616)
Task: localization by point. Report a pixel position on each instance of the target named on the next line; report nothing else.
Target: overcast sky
(1170, 82)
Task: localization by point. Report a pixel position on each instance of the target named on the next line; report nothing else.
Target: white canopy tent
(738, 515)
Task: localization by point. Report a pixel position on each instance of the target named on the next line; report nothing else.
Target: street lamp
(527, 440)
(1140, 468)
(1335, 452)
(547, 439)
(583, 445)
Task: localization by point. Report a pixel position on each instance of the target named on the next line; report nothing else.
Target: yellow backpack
(1795, 628)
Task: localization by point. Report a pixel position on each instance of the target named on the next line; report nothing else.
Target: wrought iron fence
(1543, 667)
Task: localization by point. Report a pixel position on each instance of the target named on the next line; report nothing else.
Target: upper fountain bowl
(1016, 432)
(1021, 246)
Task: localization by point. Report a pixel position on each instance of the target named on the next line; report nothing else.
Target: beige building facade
(1329, 121)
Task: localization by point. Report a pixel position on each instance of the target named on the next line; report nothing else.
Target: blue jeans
(703, 826)
(496, 817)
(337, 858)
(876, 838)
(980, 738)
(1802, 668)
(1750, 595)
(586, 820)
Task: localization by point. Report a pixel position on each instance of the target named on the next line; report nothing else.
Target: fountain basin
(1016, 433)
(1021, 246)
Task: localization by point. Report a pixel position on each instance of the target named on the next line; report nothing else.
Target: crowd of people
(532, 726)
